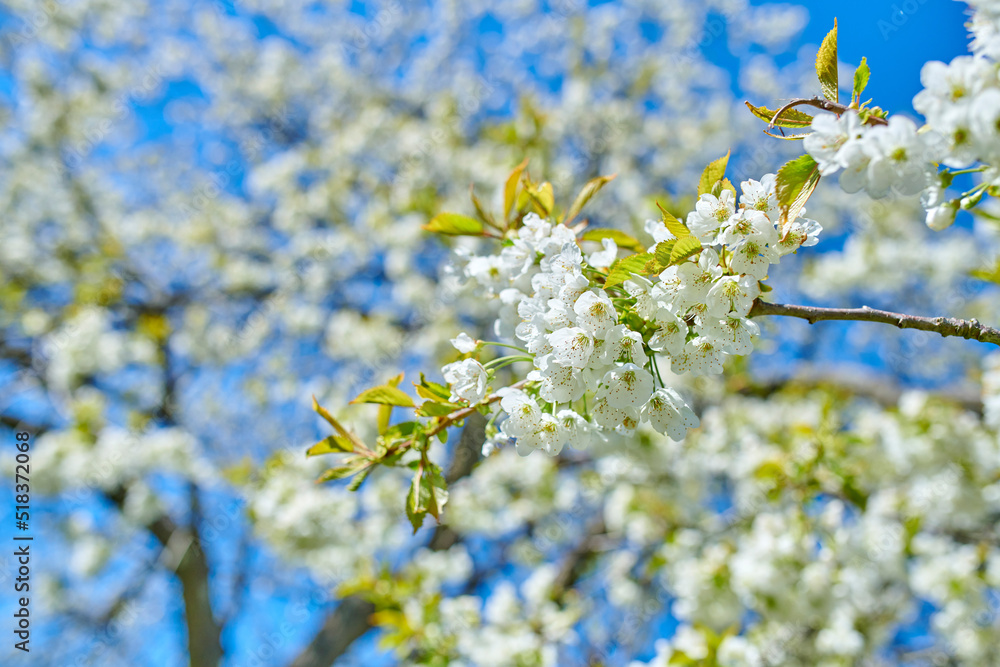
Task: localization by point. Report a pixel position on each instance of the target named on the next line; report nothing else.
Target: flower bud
(942, 217)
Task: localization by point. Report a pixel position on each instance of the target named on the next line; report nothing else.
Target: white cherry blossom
(595, 313)
(628, 386)
(467, 379)
(667, 412)
(571, 346)
(606, 257)
(464, 343)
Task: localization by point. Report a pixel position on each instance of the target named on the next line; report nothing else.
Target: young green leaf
(826, 65)
(664, 250)
(402, 430)
(623, 269)
(360, 478)
(791, 118)
(661, 257)
(543, 198)
(435, 489)
(861, 75)
(337, 425)
(510, 188)
(435, 409)
(713, 173)
(332, 444)
(432, 390)
(787, 137)
(674, 226)
(620, 238)
(385, 395)
(440, 489)
(592, 187)
(478, 205)
(684, 248)
(795, 182)
(415, 515)
(385, 411)
(991, 274)
(427, 495)
(454, 224)
(724, 184)
(350, 466)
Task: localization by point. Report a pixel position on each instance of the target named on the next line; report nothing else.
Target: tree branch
(350, 619)
(946, 326)
(192, 569)
(825, 105)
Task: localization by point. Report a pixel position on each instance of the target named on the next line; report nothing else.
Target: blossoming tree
(595, 328)
(170, 298)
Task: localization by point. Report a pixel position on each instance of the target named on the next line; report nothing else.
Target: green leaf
(478, 205)
(435, 409)
(510, 189)
(663, 251)
(349, 467)
(791, 118)
(543, 198)
(661, 257)
(360, 478)
(684, 248)
(427, 495)
(385, 395)
(623, 269)
(415, 516)
(401, 430)
(713, 172)
(332, 444)
(454, 224)
(385, 411)
(861, 75)
(337, 425)
(725, 184)
(432, 390)
(592, 187)
(826, 64)
(429, 394)
(674, 226)
(432, 483)
(991, 274)
(796, 181)
(620, 238)
(788, 137)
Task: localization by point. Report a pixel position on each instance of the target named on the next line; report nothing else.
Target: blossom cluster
(585, 338)
(961, 104)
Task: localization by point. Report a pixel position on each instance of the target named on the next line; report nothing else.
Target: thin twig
(946, 326)
(825, 105)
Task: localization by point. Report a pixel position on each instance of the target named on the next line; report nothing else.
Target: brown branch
(579, 559)
(825, 105)
(342, 626)
(946, 326)
(459, 415)
(192, 569)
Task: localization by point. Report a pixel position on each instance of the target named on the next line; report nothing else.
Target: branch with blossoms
(597, 326)
(599, 315)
